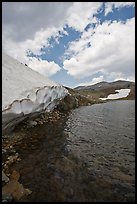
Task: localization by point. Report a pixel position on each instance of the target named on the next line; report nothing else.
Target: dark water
(86, 156)
(103, 136)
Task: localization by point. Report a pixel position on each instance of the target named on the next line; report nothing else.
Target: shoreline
(25, 148)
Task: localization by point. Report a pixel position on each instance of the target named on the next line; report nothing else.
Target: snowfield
(25, 91)
(121, 94)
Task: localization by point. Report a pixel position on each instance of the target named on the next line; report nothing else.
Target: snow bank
(25, 92)
(121, 94)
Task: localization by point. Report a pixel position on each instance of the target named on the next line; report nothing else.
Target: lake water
(88, 155)
(103, 136)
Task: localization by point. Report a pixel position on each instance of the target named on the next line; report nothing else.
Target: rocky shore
(37, 166)
(26, 138)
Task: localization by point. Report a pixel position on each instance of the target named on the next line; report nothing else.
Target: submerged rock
(15, 189)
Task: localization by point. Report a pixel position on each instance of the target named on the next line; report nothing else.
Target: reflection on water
(103, 136)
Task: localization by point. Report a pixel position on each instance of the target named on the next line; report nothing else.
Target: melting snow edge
(35, 101)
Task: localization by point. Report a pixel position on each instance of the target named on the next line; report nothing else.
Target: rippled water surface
(88, 155)
(103, 136)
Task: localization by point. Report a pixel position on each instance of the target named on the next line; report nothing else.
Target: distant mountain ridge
(103, 85)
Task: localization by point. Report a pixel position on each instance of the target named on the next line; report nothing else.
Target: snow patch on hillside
(121, 94)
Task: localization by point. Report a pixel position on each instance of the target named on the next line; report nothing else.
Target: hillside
(103, 89)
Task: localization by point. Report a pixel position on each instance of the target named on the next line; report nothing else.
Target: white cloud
(41, 38)
(80, 14)
(19, 51)
(43, 66)
(108, 77)
(29, 26)
(112, 50)
(24, 19)
(109, 6)
(93, 81)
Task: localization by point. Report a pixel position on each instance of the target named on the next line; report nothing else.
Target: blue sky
(80, 43)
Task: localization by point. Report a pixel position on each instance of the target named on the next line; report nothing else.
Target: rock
(11, 159)
(15, 175)
(4, 151)
(32, 123)
(5, 166)
(37, 119)
(4, 177)
(13, 150)
(42, 117)
(18, 159)
(28, 191)
(40, 123)
(7, 147)
(4, 136)
(15, 189)
(7, 198)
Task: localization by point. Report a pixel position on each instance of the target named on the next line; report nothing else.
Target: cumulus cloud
(41, 38)
(109, 47)
(93, 81)
(81, 14)
(19, 51)
(109, 6)
(28, 26)
(24, 19)
(43, 66)
(109, 77)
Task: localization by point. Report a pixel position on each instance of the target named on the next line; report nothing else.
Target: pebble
(40, 123)
(18, 159)
(7, 198)
(32, 123)
(37, 119)
(4, 177)
(28, 191)
(13, 150)
(42, 117)
(11, 159)
(4, 136)
(5, 166)
(4, 151)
